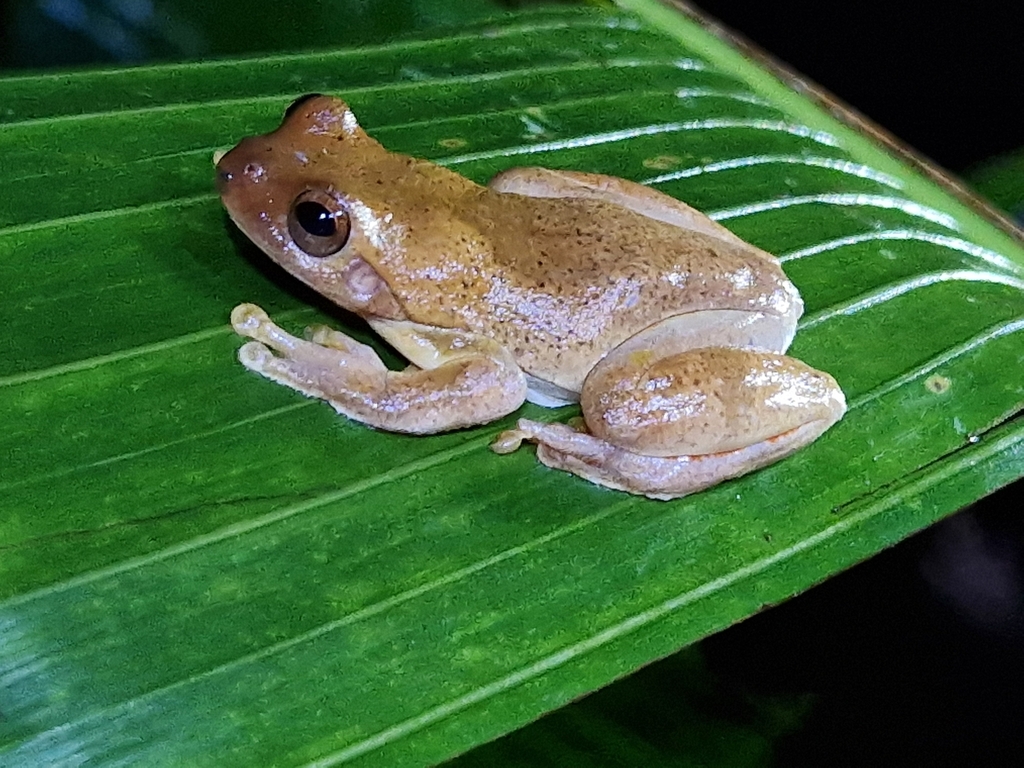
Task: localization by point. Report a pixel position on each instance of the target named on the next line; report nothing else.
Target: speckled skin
(730, 397)
(558, 282)
(548, 285)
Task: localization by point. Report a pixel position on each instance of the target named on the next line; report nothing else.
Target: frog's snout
(224, 177)
(242, 162)
(226, 169)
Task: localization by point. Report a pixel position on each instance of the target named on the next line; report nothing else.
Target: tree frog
(548, 286)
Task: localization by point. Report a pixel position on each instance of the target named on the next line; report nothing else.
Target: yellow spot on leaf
(661, 162)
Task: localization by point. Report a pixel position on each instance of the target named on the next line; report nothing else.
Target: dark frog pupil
(318, 223)
(315, 219)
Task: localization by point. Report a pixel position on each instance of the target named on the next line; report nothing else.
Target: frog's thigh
(703, 401)
(544, 182)
(463, 390)
(669, 426)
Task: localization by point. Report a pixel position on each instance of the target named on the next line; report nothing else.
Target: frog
(545, 286)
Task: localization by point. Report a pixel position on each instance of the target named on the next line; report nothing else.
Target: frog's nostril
(224, 178)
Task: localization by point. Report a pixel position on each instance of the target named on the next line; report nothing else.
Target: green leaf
(200, 567)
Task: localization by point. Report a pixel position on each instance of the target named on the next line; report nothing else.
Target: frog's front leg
(472, 381)
(669, 426)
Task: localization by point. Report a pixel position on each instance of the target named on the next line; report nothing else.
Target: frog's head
(310, 195)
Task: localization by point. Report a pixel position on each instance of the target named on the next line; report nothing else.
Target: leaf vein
(987, 255)
(129, 455)
(941, 358)
(842, 165)
(239, 528)
(593, 139)
(893, 290)
(603, 22)
(402, 85)
(909, 207)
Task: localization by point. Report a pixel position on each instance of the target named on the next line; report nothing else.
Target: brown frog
(548, 286)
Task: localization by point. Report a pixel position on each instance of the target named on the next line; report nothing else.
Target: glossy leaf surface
(200, 567)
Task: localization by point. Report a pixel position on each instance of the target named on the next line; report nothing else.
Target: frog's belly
(734, 328)
(540, 392)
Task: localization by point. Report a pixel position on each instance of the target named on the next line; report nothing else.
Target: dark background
(914, 658)
(946, 79)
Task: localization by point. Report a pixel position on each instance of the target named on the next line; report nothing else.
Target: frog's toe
(297, 374)
(321, 334)
(326, 336)
(246, 319)
(255, 356)
(251, 321)
(510, 440)
(346, 350)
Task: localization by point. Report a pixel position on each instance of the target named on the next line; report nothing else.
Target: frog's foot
(667, 427)
(321, 347)
(560, 446)
(461, 390)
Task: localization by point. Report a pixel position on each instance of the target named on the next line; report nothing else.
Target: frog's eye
(318, 223)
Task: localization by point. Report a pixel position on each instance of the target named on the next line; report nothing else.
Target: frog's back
(572, 279)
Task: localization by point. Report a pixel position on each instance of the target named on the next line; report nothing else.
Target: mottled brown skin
(730, 397)
(557, 282)
(547, 285)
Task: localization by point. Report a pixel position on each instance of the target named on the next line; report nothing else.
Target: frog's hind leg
(477, 384)
(560, 446)
(666, 427)
(544, 182)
